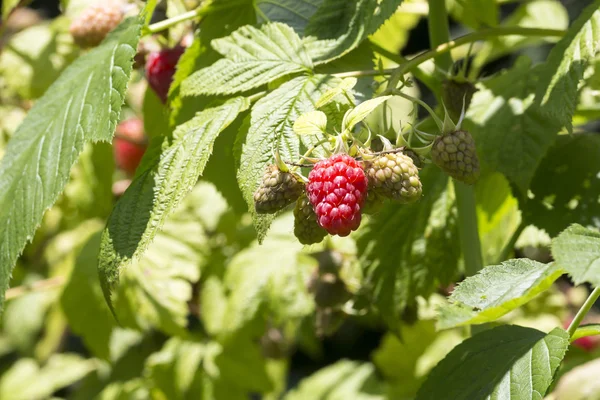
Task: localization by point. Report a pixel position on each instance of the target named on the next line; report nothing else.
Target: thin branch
(38, 286)
(358, 74)
(589, 302)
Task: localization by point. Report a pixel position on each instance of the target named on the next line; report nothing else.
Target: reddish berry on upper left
(128, 149)
(337, 189)
(160, 69)
(95, 22)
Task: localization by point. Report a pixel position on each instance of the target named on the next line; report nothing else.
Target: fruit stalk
(465, 195)
(589, 302)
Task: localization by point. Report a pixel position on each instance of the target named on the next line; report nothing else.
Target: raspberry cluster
(337, 188)
(95, 22)
(160, 68)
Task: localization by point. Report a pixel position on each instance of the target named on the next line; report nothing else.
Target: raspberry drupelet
(337, 189)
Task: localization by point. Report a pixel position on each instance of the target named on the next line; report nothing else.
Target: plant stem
(358, 74)
(589, 302)
(38, 286)
(167, 23)
(469, 38)
(439, 32)
(467, 228)
(511, 244)
(439, 37)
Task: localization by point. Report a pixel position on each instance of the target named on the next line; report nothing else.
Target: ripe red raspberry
(160, 69)
(95, 22)
(128, 153)
(337, 188)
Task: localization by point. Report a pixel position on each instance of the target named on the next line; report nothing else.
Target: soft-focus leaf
(35, 57)
(253, 58)
(393, 34)
(311, 123)
(497, 290)
(408, 250)
(82, 105)
(295, 13)
(167, 174)
(577, 251)
(511, 131)
(341, 25)
(267, 280)
(475, 13)
(343, 380)
(560, 76)
(94, 322)
(566, 185)
(154, 290)
(507, 362)
(271, 130)
(27, 380)
(175, 372)
(580, 383)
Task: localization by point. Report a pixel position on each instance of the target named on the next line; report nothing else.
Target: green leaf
(7, 8)
(511, 131)
(168, 172)
(271, 130)
(82, 105)
(94, 322)
(560, 76)
(27, 380)
(586, 330)
(475, 13)
(506, 362)
(393, 34)
(577, 251)
(566, 188)
(544, 14)
(497, 290)
(409, 250)
(175, 372)
(339, 26)
(311, 123)
(343, 380)
(359, 113)
(295, 13)
(253, 58)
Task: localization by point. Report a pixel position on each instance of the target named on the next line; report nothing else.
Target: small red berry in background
(337, 188)
(160, 68)
(128, 153)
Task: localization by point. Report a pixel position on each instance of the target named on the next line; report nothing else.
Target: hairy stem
(371, 72)
(439, 37)
(589, 302)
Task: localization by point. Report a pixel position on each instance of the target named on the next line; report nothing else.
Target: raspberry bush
(291, 200)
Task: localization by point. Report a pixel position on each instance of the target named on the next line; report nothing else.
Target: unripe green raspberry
(329, 291)
(453, 93)
(456, 155)
(277, 190)
(95, 22)
(395, 175)
(306, 227)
